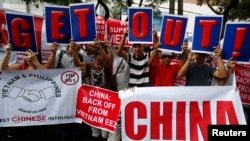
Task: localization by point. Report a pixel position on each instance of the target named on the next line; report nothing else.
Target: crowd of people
(136, 66)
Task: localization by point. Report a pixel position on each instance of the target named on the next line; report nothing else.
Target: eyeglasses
(167, 56)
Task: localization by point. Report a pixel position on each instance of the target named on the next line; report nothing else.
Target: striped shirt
(139, 70)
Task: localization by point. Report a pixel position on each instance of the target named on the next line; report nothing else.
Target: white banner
(178, 113)
(38, 97)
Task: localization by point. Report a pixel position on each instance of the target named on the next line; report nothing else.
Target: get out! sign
(78, 22)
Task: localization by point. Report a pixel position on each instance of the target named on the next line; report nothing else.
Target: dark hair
(169, 56)
(39, 58)
(96, 52)
(202, 54)
(136, 44)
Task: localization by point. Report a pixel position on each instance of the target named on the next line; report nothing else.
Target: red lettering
(207, 32)
(17, 119)
(199, 119)
(124, 24)
(82, 14)
(55, 22)
(22, 40)
(161, 119)
(180, 121)
(162, 114)
(239, 38)
(140, 30)
(172, 34)
(226, 108)
(130, 123)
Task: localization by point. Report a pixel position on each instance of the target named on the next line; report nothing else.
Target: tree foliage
(59, 2)
(230, 9)
(242, 12)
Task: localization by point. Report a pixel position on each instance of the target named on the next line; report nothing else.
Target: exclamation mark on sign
(239, 38)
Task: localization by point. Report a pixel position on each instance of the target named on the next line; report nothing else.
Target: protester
(64, 59)
(88, 53)
(13, 60)
(153, 71)
(88, 57)
(32, 61)
(167, 70)
(229, 80)
(138, 61)
(197, 72)
(144, 60)
(122, 68)
(98, 72)
(98, 77)
(101, 51)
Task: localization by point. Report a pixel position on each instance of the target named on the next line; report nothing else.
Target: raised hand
(217, 51)
(53, 47)
(8, 47)
(231, 64)
(31, 55)
(126, 31)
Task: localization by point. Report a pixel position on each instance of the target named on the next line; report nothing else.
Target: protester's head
(98, 57)
(73, 47)
(209, 58)
(167, 57)
(201, 58)
(126, 49)
(137, 49)
(30, 55)
(90, 48)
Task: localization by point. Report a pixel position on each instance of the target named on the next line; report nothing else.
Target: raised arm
(230, 70)
(187, 58)
(154, 53)
(155, 37)
(76, 48)
(109, 53)
(52, 58)
(120, 50)
(156, 46)
(104, 50)
(5, 60)
(221, 71)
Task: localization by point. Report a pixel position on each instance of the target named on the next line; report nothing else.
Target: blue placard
(140, 22)
(206, 33)
(236, 44)
(57, 24)
(21, 32)
(173, 32)
(83, 24)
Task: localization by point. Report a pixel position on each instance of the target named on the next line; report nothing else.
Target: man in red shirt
(167, 70)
